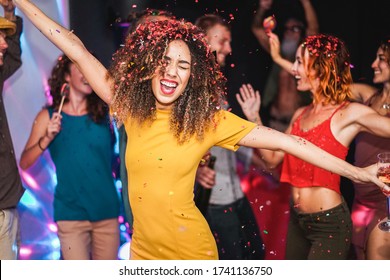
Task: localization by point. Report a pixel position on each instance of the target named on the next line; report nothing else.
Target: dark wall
(94, 22)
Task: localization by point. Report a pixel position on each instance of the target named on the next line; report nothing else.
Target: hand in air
(265, 4)
(250, 102)
(274, 46)
(8, 5)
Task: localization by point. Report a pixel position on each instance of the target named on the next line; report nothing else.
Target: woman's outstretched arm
(94, 72)
(267, 138)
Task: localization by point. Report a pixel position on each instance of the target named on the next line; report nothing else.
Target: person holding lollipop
(76, 130)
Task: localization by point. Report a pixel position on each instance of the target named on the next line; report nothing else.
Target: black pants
(324, 235)
(235, 230)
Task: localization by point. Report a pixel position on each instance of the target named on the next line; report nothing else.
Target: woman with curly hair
(81, 144)
(165, 86)
(320, 224)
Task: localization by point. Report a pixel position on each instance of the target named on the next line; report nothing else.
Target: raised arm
(311, 18)
(257, 23)
(94, 72)
(274, 44)
(12, 57)
(362, 92)
(364, 118)
(9, 9)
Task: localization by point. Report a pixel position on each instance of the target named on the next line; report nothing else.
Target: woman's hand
(250, 102)
(54, 126)
(369, 174)
(205, 176)
(265, 4)
(274, 44)
(8, 5)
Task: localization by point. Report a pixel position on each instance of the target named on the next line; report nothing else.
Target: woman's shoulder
(352, 111)
(229, 119)
(44, 113)
(298, 112)
(228, 116)
(353, 106)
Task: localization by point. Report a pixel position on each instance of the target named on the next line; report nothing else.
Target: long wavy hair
(96, 108)
(329, 57)
(135, 64)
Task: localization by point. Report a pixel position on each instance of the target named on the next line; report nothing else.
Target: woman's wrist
(41, 143)
(256, 120)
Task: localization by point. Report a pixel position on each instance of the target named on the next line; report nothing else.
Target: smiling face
(305, 81)
(170, 82)
(219, 38)
(381, 67)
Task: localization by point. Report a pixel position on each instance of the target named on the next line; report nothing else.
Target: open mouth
(168, 87)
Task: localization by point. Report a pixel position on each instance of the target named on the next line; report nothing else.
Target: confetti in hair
(325, 45)
(329, 57)
(141, 57)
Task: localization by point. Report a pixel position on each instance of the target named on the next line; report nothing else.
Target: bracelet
(39, 144)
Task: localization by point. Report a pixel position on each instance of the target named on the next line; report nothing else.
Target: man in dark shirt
(11, 188)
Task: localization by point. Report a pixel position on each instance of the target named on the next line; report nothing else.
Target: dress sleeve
(230, 129)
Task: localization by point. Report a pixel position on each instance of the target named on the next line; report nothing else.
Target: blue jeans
(324, 235)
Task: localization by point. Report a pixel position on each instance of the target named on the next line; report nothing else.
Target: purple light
(25, 251)
(52, 227)
(29, 180)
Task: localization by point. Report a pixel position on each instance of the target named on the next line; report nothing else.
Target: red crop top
(302, 174)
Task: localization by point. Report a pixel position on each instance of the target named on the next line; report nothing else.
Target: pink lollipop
(64, 93)
(269, 23)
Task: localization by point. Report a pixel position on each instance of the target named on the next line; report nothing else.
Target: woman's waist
(314, 199)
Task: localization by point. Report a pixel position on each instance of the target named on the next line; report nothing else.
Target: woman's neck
(76, 106)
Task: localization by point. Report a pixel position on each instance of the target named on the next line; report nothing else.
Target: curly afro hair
(135, 64)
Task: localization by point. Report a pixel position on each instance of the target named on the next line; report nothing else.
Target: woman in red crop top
(320, 225)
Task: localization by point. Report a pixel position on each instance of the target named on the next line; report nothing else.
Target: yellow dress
(161, 174)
